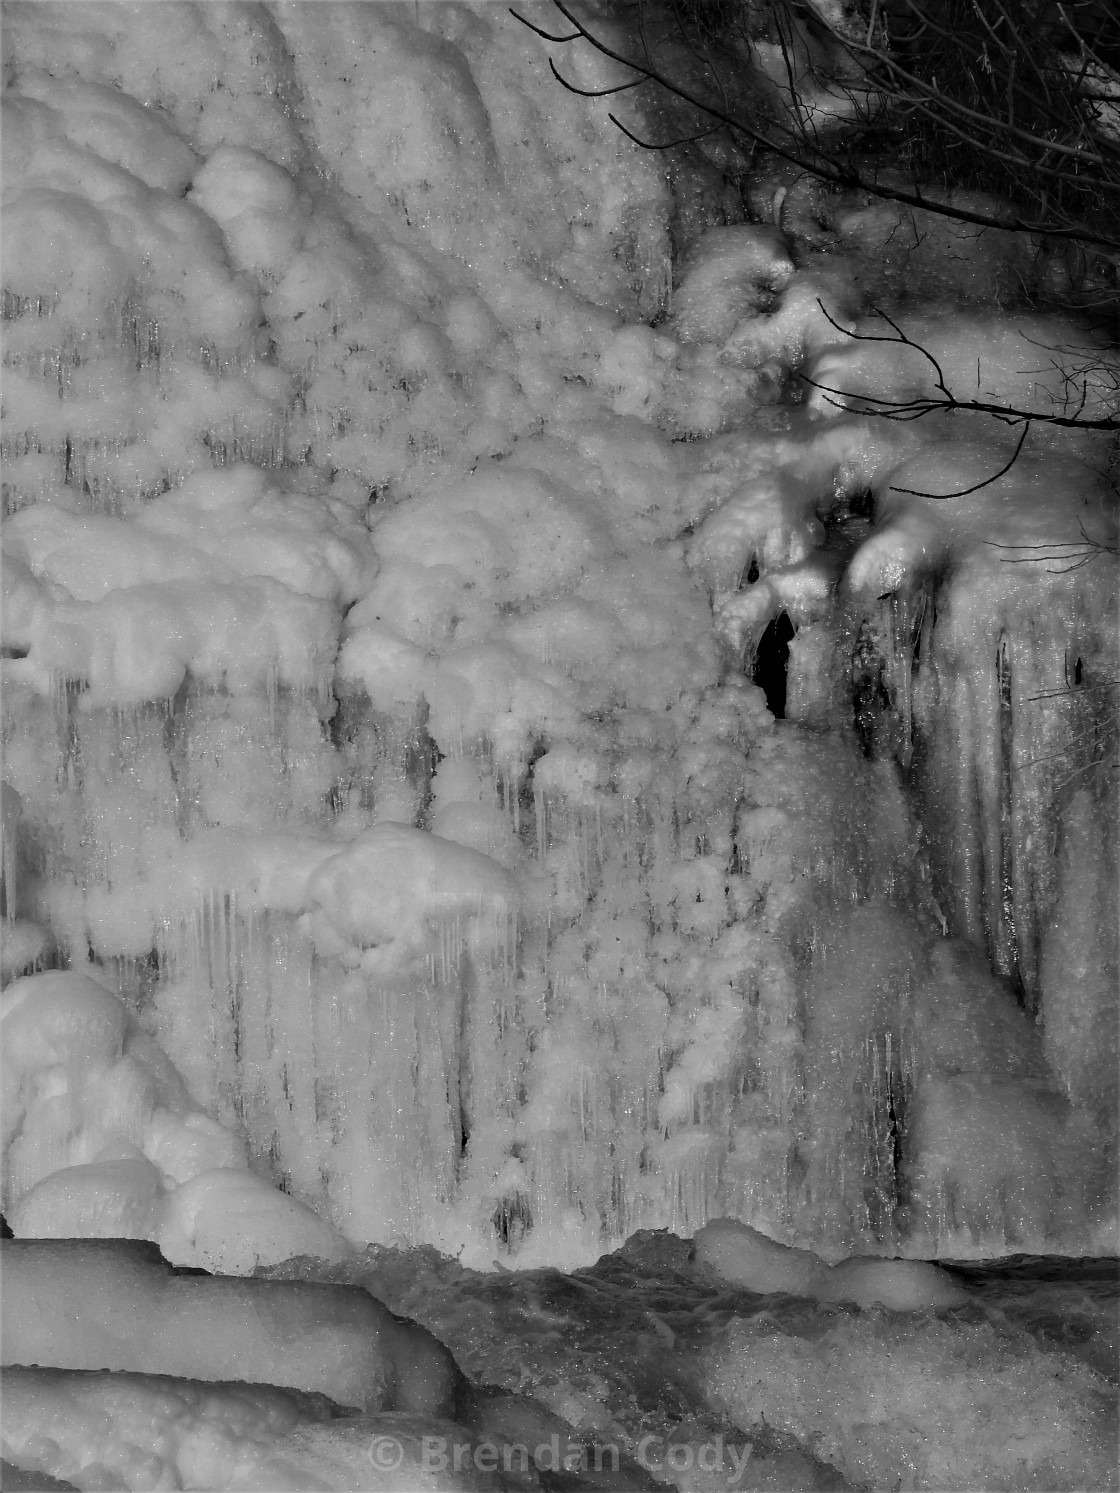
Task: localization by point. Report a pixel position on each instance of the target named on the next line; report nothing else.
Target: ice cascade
(480, 744)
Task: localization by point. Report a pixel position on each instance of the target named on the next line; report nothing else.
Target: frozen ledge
(737, 1253)
(118, 1304)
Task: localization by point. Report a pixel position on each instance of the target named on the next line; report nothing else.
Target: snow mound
(740, 1254)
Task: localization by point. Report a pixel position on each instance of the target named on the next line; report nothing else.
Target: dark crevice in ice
(772, 663)
(1006, 955)
(873, 706)
(512, 1219)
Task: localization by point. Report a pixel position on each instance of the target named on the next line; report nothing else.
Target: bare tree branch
(1015, 100)
(945, 399)
(882, 81)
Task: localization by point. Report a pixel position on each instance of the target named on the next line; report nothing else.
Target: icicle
(540, 809)
(11, 806)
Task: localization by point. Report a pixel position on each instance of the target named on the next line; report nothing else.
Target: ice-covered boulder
(113, 1304)
(742, 1255)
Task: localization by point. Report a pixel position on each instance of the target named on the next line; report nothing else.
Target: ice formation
(738, 1253)
(474, 734)
(65, 1304)
(912, 1399)
(102, 1140)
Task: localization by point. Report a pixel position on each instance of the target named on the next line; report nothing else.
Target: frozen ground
(646, 1363)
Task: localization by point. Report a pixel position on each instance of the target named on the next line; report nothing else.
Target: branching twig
(945, 399)
(1088, 550)
(964, 492)
(593, 92)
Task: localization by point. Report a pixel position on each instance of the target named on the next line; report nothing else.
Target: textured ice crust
(886, 1396)
(146, 1431)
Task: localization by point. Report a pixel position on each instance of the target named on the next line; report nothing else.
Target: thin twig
(915, 492)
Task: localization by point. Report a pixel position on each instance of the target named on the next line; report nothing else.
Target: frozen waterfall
(525, 770)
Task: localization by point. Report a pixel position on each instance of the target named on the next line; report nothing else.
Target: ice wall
(391, 620)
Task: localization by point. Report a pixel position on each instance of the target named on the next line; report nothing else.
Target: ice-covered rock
(66, 1302)
(744, 1256)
